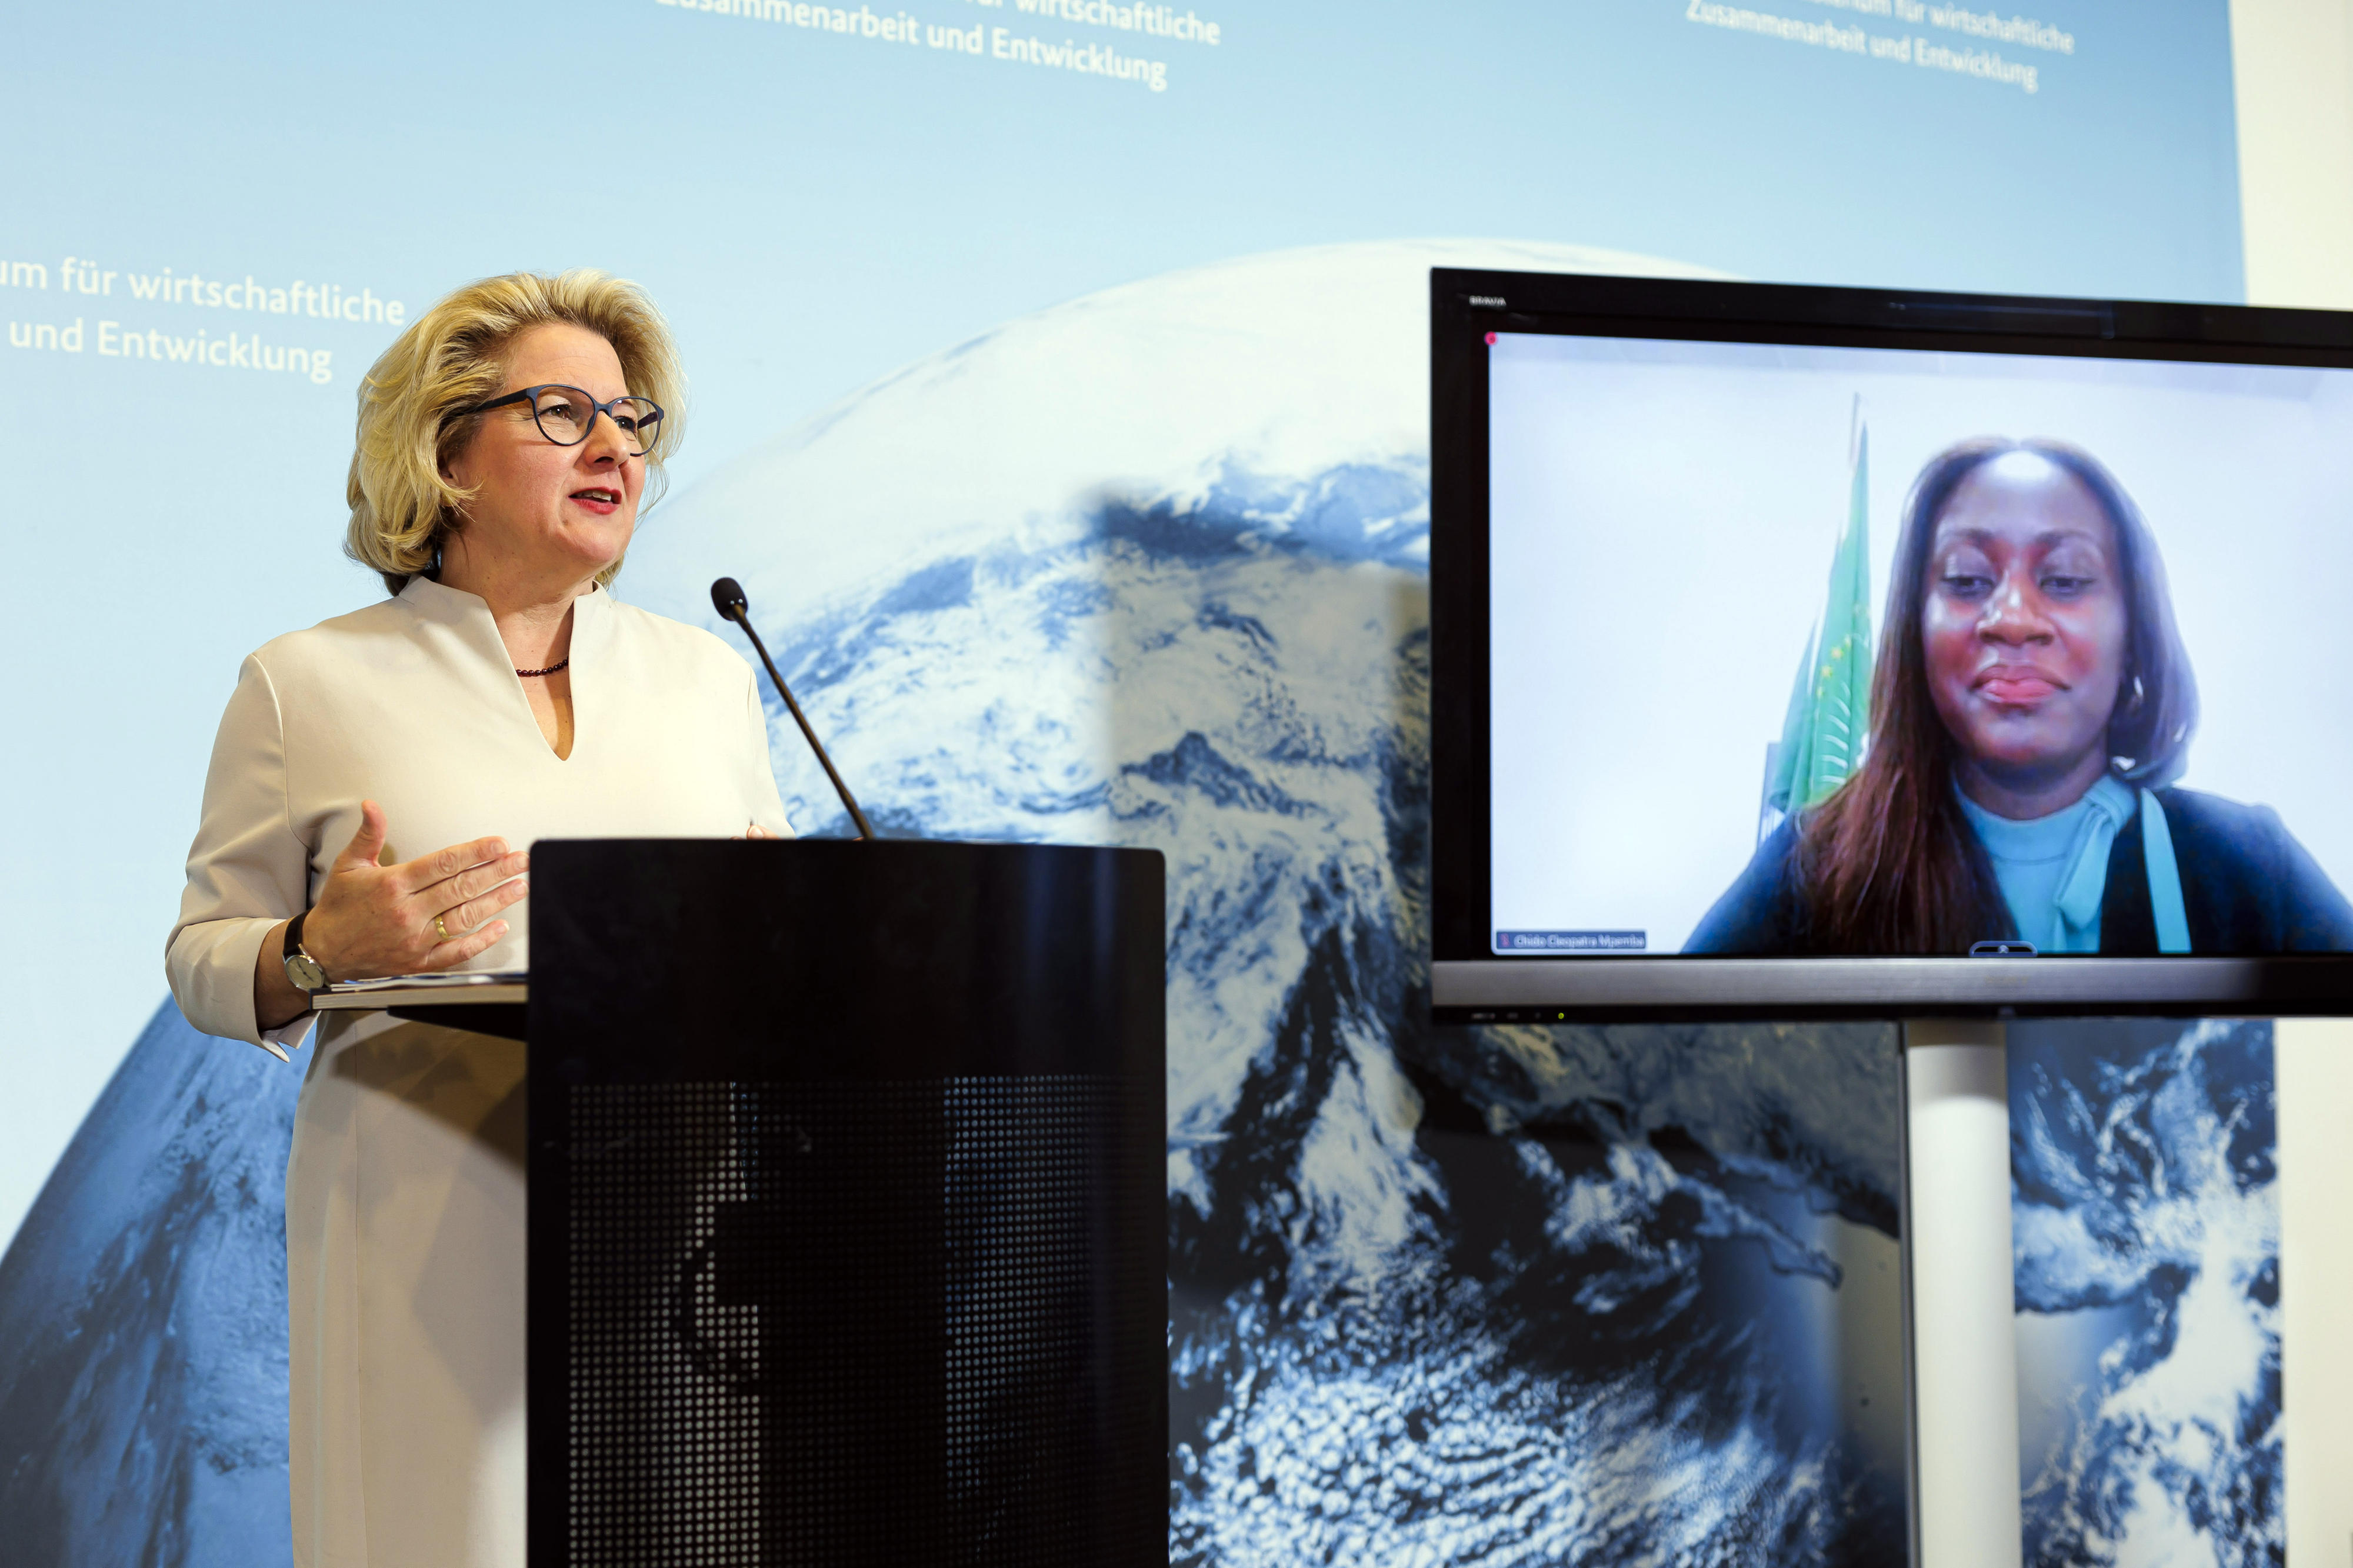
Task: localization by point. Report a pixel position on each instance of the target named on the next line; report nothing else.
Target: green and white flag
(1829, 708)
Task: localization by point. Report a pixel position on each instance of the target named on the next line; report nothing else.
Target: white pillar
(2312, 1061)
(1960, 1298)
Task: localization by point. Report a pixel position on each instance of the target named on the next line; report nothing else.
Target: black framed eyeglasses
(565, 415)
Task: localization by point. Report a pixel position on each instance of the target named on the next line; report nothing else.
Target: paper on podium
(471, 987)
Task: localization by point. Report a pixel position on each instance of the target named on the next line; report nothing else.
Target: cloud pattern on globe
(2144, 1208)
(1439, 1296)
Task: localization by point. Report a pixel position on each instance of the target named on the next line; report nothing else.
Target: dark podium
(847, 1235)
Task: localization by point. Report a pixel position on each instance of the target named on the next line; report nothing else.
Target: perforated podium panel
(846, 1217)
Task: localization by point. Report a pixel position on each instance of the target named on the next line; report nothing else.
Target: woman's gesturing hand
(372, 919)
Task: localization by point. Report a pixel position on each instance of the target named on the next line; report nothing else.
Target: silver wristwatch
(302, 971)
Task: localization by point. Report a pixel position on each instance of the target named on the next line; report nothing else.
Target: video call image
(1813, 651)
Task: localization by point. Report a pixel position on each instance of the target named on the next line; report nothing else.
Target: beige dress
(405, 1189)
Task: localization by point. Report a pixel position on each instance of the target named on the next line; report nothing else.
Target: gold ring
(440, 927)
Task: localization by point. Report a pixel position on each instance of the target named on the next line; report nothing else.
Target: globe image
(1150, 568)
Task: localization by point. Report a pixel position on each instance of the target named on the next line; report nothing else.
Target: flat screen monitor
(1813, 652)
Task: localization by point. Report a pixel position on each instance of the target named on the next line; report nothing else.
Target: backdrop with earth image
(1070, 439)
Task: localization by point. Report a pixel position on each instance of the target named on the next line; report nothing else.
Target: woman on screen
(2032, 705)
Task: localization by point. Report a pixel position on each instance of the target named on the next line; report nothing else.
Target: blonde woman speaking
(373, 791)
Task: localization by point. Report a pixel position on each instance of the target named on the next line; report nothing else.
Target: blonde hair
(454, 356)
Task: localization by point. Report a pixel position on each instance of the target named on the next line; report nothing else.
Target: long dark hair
(1889, 865)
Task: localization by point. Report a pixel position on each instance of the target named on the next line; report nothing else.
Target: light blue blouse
(2054, 870)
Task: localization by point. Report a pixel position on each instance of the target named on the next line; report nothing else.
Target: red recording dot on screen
(1491, 340)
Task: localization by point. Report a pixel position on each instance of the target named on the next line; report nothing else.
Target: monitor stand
(1960, 1343)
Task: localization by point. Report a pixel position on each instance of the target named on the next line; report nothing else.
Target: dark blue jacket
(2246, 884)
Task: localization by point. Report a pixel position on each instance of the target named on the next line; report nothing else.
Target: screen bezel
(1468, 983)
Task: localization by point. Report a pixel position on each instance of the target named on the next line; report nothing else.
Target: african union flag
(1829, 708)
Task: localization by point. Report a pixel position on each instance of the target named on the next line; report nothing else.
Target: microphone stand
(728, 597)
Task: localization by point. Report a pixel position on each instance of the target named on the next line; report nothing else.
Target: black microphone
(727, 597)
